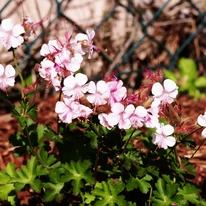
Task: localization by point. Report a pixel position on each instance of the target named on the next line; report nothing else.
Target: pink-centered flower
(152, 118)
(201, 120)
(67, 110)
(74, 86)
(120, 115)
(51, 48)
(103, 120)
(163, 137)
(47, 70)
(86, 41)
(56, 82)
(29, 26)
(7, 77)
(117, 91)
(84, 111)
(164, 94)
(138, 117)
(10, 35)
(98, 93)
(69, 61)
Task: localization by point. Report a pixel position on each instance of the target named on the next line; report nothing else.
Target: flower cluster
(83, 98)
(64, 59)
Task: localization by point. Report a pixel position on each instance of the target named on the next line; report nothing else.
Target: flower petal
(170, 141)
(169, 85)
(140, 111)
(157, 89)
(7, 24)
(201, 120)
(102, 87)
(117, 108)
(18, 30)
(1, 70)
(81, 79)
(9, 71)
(69, 82)
(167, 130)
(204, 133)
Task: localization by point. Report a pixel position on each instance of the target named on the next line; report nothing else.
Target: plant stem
(197, 149)
(177, 143)
(19, 73)
(96, 162)
(150, 195)
(60, 94)
(129, 139)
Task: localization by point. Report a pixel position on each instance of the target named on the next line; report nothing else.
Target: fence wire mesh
(130, 33)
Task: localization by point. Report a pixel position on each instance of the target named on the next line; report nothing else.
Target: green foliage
(141, 183)
(108, 193)
(168, 192)
(165, 192)
(189, 193)
(79, 174)
(187, 78)
(55, 185)
(96, 166)
(12, 180)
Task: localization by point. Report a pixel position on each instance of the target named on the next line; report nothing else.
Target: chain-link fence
(131, 34)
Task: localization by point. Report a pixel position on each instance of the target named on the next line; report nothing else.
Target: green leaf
(32, 111)
(164, 195)
(8, 173)
(190, 193)
(28, 80)
(108, 193)
(5, 190)
(89, 198)
(28, 174)
(188, 68)
(55, 186)
(202, 202)
(200, 82)
(170, 75)
(49, 161)
(143, 183)
(94, 138)
(16, 111)
(40, 131)
(78, 174)
(132, 204)
(131, 134)
(53, 191)
(4, 178)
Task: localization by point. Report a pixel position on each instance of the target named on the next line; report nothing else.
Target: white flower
(98, 93)
(162, 136)
(201, 120)
(165, 94)
(74, 86)
(7, 76)
(10, 35)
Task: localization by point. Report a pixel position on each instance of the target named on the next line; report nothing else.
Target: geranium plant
(95, 160)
